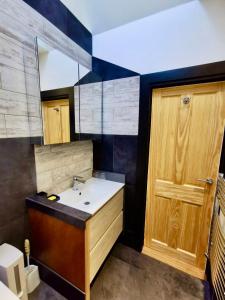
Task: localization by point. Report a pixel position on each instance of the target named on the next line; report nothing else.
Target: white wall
(99, 15)
(58, 70)
(187, 35)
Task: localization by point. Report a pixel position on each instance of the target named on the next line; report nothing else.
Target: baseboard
(58, 283)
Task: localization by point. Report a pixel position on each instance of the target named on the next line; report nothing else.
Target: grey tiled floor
(129, 275)
(45, 292)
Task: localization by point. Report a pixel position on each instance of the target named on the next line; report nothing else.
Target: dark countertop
(65, 213)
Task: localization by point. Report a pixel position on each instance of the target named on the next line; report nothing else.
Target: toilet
(6, 294)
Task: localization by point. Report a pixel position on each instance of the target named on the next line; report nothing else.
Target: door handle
(206, 180)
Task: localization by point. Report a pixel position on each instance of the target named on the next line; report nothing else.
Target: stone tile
(121, 106)
(129, 114)
(12, 80)
(61, 186)
(35, 126)
(74, 147)
(56, 165)
(2, 126)
(13, 103)
(23, 13)
(90, 108)
(44, 181)
(11, 53)
(17, 126)
(32, 85)
(34, 106)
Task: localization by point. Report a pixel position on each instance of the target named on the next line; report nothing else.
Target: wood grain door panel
(185, 146)
(56, 121)
(65, 122)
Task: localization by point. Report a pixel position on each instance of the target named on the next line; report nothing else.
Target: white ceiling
(102, 15)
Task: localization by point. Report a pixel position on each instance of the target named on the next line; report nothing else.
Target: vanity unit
(72, 237)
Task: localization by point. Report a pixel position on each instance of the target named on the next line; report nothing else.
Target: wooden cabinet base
(69, 257)
(105, 244)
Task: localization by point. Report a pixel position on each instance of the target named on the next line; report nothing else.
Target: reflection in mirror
(57, 70)
(58, 75)
(88, 103)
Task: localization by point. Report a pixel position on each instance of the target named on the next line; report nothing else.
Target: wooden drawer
(100, 222)
(104, 245)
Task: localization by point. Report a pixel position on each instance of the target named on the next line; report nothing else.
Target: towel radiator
(217, 248)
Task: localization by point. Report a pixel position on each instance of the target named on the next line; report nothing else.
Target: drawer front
(104, 245)
(100, 222)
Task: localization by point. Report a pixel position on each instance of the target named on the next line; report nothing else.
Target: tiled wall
(19, 86)
(121, 106)
(17, 169)
(14, 95)
(57, 164)
(20, 109)
(118, 153)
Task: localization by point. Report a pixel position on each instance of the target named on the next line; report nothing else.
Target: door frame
(191, 75)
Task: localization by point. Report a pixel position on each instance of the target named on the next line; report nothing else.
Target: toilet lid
(6, 294)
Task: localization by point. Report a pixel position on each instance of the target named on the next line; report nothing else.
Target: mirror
(71, 97)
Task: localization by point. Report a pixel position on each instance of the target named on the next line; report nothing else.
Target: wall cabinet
(63, 78)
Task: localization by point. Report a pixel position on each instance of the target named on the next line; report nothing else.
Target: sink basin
(91, 195)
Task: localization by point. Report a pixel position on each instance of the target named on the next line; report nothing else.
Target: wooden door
(186, 140)
(56, 121)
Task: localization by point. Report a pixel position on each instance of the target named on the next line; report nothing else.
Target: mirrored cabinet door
(88, 103)
(71, 97)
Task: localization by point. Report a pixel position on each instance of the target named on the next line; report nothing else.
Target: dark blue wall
(109, 71)
(118, 153)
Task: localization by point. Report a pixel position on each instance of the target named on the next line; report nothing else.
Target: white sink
(91, 195)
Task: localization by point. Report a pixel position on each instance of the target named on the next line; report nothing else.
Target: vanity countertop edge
(65, 213)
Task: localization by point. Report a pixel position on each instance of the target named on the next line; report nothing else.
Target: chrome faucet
(77, 181)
